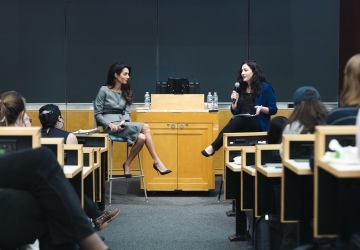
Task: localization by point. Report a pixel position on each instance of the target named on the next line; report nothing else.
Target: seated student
(52, 123)
(37, 201)
(308, 112)
(346, 114)
(349, 98)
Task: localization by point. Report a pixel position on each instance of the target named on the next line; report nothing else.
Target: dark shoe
(162, 173)
(126, 175)
(113, 214)
(102, 221)
(206, 154)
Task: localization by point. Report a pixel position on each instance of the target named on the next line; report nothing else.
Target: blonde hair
(350, 94)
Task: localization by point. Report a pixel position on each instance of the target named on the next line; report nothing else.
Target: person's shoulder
(104, 88)
(266, 85)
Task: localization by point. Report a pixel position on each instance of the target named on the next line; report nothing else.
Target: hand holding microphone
(235, 92)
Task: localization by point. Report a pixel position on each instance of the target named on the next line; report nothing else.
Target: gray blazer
(110, 107)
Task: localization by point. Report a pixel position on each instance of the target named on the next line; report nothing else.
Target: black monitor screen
(178, 86)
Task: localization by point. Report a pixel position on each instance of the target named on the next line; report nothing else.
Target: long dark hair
(276, 127)
(309, 113)
(111, 80)
(48, 115)
(11, 105)
(257, 79)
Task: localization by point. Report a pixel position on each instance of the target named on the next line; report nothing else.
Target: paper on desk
(87, 132)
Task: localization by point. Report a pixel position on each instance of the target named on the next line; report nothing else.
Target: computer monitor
(177, 86)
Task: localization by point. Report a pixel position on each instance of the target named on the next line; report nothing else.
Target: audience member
(112, 111)
(37, 201)
(253, 104)
(349, 98)
(52, 121)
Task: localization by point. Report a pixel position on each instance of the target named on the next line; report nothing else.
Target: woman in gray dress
(112, 111)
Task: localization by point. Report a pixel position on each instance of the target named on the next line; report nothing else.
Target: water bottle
(215, 101)
(209, 104)
(147, 100)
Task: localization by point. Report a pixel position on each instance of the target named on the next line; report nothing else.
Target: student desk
(17, 138)
(98, 141)
(74, 163)
(297, 185)
(56, 145)
(265, 179)
(233, 145)
(327, 177)
(247, 201)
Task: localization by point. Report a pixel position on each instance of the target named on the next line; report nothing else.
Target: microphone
(237, 84)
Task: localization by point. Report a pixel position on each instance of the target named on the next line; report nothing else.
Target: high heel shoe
(162, 173)
(204, 153)
(126, 175)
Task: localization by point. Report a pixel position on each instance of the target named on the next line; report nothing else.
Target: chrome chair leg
(142, 178)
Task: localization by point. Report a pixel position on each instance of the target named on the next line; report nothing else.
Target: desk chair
(112, 139)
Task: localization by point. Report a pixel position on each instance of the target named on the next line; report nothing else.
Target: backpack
(267, 232)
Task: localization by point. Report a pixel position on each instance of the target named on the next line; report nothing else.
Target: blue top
(55, 133)
(266, 98)
(342, 116)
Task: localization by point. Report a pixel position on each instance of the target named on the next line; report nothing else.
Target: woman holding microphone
(253, 104)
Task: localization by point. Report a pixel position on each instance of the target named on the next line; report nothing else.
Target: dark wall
(59, 51)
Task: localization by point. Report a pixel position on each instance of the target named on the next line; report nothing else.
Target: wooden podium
(180, 129)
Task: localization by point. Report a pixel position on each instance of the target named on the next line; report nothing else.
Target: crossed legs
(144, 138)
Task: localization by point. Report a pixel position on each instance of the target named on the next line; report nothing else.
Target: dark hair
(276, 127)
(309, 113)
(257, 79)
(48, 115)
(111, 80)
(11, 105)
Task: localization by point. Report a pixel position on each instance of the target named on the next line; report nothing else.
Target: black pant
(91, 208)
(38, 202)
(238, 124)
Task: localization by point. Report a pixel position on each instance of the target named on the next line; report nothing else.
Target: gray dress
(111, 107)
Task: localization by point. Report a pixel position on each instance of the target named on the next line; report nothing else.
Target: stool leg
(111, 168)
(142, 178)
(221, 183)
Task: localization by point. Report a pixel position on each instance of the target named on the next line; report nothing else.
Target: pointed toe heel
(162, 173)
(206, 154)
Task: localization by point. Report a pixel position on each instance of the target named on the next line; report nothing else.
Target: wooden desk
(99, 142)
(179, 137)
(265, 179)
(17, 138)
(56, 145)
(247, 200)
(74, 163)
(88, 172)
(297, 186)
(233, 144)
(327, 176)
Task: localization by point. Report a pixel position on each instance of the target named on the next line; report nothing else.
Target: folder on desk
(272, 165)
(86, 132)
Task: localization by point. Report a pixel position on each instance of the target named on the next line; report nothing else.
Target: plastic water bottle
(147, 100)
(209, 104)
(215, 101)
